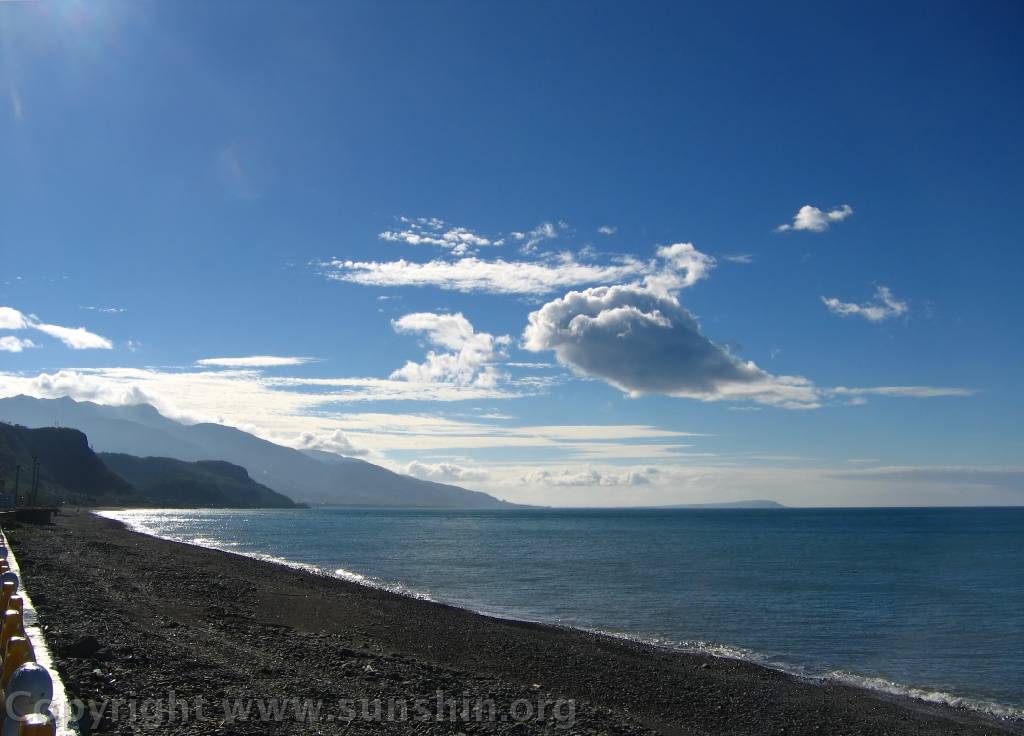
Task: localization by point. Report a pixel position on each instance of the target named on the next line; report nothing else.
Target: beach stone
(81, 648)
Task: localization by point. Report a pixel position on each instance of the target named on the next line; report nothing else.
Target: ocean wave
(137, 522)
(938, 697)
(370, 582)
(876, 684)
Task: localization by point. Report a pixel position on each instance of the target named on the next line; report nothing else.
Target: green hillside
(68, 470)
(164, 481)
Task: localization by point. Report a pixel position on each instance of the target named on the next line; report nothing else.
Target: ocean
(922, 602)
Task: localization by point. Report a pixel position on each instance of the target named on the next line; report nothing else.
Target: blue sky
(338, 181)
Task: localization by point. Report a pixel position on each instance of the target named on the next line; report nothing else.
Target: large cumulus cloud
(643, 341)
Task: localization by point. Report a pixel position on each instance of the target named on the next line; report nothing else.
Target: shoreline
(872, 684)
(620, 685)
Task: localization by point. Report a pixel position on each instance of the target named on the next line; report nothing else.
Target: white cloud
(255, 403)
(254, 361)
(590, 477)
(12, 319)
(335, 441)
(471, 352)
(676, 266)
(913, 392)
(883, 306)
(607, 230)
(12, 344)
(742, 258)
(106, 310)
(283, 409)
(684, 266)
(473, 274)
(77, 338)
(814, 220)
(349, 390)
(444, 472)
(544, 231)
(434, 231)
(643, 341)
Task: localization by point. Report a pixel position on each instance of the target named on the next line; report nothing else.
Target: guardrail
(34, 699)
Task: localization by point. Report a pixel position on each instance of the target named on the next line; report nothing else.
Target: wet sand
(185, 640)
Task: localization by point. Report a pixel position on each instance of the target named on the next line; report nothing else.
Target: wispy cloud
(913, 392)
(742, 258)
(473, 274)
(677, 265)
(815, 220)
(434, 231)
(12, 344)
(254, 361)
(607, 230)
(76, 338)
(306, 413)
(612, 458)
(544, 231)
(882, 307)
(105, 310)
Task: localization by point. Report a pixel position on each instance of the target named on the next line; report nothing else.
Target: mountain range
(309, 477)
(70, 472)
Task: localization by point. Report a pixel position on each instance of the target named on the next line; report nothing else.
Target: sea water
(924, 602)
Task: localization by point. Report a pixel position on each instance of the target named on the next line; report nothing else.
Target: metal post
(35, 481)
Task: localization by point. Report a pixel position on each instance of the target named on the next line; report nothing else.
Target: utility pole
(35, 481)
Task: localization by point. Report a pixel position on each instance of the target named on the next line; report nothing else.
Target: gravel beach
(154, 636)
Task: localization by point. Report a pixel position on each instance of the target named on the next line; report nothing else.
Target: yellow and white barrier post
(32, 693)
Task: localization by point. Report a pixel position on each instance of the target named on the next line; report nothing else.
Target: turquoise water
(928, 602)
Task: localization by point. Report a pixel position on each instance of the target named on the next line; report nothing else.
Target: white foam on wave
(880, 684)
(352, 577)
(137, 523)
(370, 582)
(876, 684)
